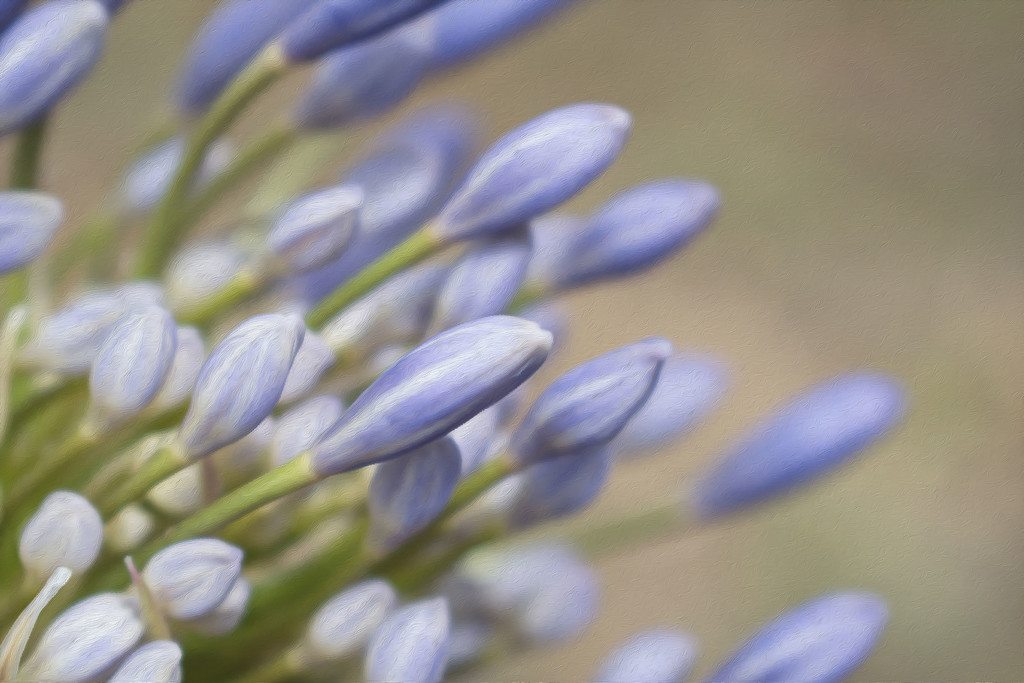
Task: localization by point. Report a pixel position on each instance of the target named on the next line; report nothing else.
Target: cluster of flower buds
(310, 429)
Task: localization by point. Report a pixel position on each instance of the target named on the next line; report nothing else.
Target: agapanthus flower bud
(467, 641)
(231, 36)
(589, 405)
(640, 228)
(9, 11)
(114, 5)
(466, 28)
(226, 616)
(331, 24)
(241, 382)
(200, 271)
(408, 492)
(86, 640)
(503, 580)
(561, 486)
(344, 624)
(44, 54)
(158, 661)
(66, 531)
(133, 363)
(533, 169)
(821, 641)
(657, 656)
(189, 579)
(819, 430)
(475, 437)
(411, 645)
(313, 359)
(315, 229)
(364, 80)
(179, 494)
(129, 528)
(28, 221)
(551, 317)
(562, 607)
(688, 387)
(433, 389)
(557, 237)
(149, 177)
(189, 354)
(484, 281)
(302, 426)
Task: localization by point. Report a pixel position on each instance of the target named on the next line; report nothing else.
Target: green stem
(242, 287)
(289, 176)
(166, 461)
(420, 245)
(9, 335)
(28, 154)
(162, 232)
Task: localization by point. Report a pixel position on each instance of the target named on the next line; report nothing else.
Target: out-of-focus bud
(302, 426)
(589, 405)
(28, 221)
(226, 616)
(315, 229)
(433, 389)
(533, 169)
(86, 640)
(129, 529)
(189, 579)
(411, 645)
(658, 656)
(821, 641)
(66, 531)
(9, 11)
(408, 492)
(189, 354)
(132, 364)
(550, 317)
(467, 642)
(149, 177)
(180, 494)
(200, 271)
(44, 54)
(475, 437)
(241, 382)
(344, 624)
(561, 486)
(562, 607)
(817, 431)
(158, 661)
(311, 362)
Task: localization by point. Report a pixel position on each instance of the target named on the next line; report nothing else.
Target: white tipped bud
(66, 531)
(189, 579)
(155, 662)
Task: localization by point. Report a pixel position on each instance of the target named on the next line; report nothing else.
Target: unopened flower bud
(66, 531)
(28, 221)
(411, 645)
(189, 579)
(658, 656)
(344, 624)
(158, 661)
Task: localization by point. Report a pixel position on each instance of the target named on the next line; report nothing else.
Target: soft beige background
(870, 157)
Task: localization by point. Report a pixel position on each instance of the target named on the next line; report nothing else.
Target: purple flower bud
(557, 238)
(241, 382)
(245, 459)
(114, 6)
(302, 426)
(158, 661)
(408, 492)
(688, 387)
(657, 656)
(639, 228)
(533, 169)
(149, 177)
(821, 641)
(589, 405)
(502, 580)
(66, 531)
(364, 80)
(433, 389)
(232, 35)
(28, 221)
(226, 616)
(86, 640)
(9, 10)
(311, 362)
(189, 579)
(315, 229)
(346, 622)
(563, 607)
(819, 430)
(484, 281)
(189, 354)
(411, 645)
(43, 56)
(133, 363)
(466, 28)
(200, 271)
(475, 437)
(561, 486)
(330, 24)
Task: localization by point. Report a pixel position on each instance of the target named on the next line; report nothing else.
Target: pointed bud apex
(315, 229)
(345, 623)
(475, 438)
(311, 362)
(411, 645)
(28, 221)
(156, 662)
(658, 656)
(189, 579)
(66, 531)
(561, 486)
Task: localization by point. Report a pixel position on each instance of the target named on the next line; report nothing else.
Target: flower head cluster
(293, 446)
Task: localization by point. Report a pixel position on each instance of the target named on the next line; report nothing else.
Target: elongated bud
(468, 641)
(484, 281)
(189, 579)
(226, 616)
(315, 229)
(408, 492)
(562, 607)
(533, 169)
(561, 486)
(302, 426)
(688, 387)
(149, 177)
(66, 531)
(189, 354)
(640, 228)
(129, 529)
(43, 56)
(344, 624)
(9, 11)
(411, 645)
(330, 24)
(817, 431)
(200, 271)
(158, 661)
(86, 640)
(313, 359)
(821, 641)
(589, 405)
(231, 36)
(28, 221)
(501, 580)
(433, 389)
(132, 364)
(241, 382)
(658, 656)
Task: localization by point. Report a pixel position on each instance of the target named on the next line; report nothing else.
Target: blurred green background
(870, 156)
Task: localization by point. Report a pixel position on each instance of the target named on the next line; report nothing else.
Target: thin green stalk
(28, 154)
(165, 461)
(162, 233)
(246, 284)
(289, 176)
(286, 664)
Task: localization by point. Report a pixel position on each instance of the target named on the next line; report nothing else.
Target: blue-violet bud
(66, 531)
(158, 661)
(28, 221)
(226, 616)
(344, 624)
(657, 656)
(302, 426)
(315, 229)
(561, 486)
(411, 645)
(150, 176)
(313, 359)
(189, 579)
(189, 354)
